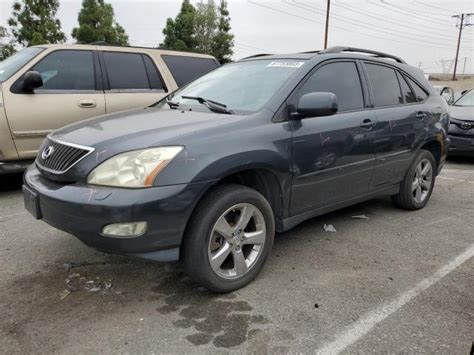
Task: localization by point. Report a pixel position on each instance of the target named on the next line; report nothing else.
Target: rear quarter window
(185, 69)
(420, 93)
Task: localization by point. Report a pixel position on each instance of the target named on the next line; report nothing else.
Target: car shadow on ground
(464, 160)
(11, 182)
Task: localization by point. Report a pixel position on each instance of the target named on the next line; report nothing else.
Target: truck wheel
(228, 238)
(416, 188)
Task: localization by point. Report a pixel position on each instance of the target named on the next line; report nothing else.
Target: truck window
(185, 69)
(67, 70)
(126, 71)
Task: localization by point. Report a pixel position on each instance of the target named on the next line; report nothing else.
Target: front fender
(259, 146)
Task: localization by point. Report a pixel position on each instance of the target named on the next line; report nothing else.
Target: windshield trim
(40, 50)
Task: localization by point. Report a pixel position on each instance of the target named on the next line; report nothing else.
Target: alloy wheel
(237, 241)
(422, 181)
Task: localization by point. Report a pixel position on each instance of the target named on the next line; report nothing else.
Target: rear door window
(340, 78)
(185, 69)
(67, 70)
(385, 86)
(130, 71)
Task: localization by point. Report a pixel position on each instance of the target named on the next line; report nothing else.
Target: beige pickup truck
(46, 87)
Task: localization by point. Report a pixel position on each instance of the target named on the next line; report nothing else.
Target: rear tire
(228, 238)
(417, 186)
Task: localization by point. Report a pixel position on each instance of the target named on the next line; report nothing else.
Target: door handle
(420, 115)
(368, 124)
(87, 104)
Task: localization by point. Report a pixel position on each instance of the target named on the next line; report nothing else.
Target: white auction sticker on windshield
(285, 64)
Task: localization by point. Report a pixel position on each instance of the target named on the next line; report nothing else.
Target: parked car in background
(46, 87)
(208, 174)
(461, 128)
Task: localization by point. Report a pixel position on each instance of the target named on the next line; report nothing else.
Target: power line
(252, 47)
(340, 27)
(432, 6)
(405, 12)
(376, 16)
(281, 11)
(365, 25)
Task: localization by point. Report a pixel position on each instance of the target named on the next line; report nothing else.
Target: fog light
(125, 230)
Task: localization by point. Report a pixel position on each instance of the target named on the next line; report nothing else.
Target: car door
(333, 156)
(132, 80)
(401, 117)
(71, 92)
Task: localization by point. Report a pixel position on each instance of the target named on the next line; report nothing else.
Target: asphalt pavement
(396, 282)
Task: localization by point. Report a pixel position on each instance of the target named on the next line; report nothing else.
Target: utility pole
(464, 66)
(327, 24)
(464, 23)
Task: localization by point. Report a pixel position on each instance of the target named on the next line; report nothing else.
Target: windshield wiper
(211, 105)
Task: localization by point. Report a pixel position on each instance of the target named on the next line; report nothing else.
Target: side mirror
(31, 81)
(315, 104)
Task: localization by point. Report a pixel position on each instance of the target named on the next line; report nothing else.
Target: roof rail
(256, 56)
(360, 50)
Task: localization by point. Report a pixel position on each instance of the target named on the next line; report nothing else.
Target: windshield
(9, 66)
(242, 86)
(466, 100)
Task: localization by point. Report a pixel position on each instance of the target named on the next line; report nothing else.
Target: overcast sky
(417, 30)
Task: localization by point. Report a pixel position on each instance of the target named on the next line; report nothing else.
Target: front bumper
(461, 145)
(83, 210)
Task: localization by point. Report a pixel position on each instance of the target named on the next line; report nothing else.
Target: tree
(205, 26)
(223, 39)
(34, 22)
(179, 33)
(7, 44)
(204, 29)
(97, 24)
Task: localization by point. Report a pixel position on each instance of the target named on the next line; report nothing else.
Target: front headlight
(133, 169)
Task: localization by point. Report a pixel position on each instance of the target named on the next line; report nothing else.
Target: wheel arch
(435, 148)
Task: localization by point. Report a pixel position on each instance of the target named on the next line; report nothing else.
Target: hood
(141, 128)
(465, 113)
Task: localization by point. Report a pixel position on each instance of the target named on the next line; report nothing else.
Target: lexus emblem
(47, 152)
(466, 125)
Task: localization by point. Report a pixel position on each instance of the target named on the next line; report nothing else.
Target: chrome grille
(58, 157)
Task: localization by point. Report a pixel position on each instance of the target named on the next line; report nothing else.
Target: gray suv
(208, 174)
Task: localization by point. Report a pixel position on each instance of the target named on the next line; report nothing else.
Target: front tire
(228, 238)
(417, 186)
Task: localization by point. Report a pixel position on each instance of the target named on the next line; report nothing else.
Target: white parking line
(453, 179)
(359, 329)
(470, 171)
